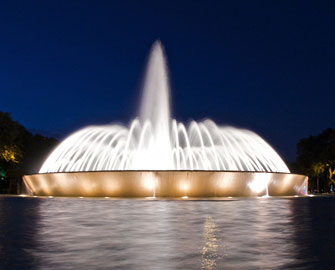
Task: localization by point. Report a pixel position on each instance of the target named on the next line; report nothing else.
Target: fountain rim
(175, 171)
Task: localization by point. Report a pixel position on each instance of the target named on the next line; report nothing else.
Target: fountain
(158, 156)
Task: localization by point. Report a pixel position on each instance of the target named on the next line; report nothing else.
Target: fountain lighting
(259, 183)
(257, 186)
(184, 186)
(156, 154)
(150, 184)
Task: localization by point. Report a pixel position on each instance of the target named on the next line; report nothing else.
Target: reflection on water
(209, 250)
(64, 233)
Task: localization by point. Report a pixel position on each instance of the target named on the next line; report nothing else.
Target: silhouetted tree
(20, 152)
(12, 139)
(316, 158)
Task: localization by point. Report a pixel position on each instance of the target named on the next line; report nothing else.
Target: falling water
(155, 141)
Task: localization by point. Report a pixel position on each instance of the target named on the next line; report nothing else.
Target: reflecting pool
(248, 233)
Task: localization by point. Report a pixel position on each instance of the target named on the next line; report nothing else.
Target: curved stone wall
(166, 184)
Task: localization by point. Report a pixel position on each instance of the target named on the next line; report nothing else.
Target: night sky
(268, 66)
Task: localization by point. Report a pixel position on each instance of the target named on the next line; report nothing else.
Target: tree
(12, 138)
(316, 158)
(20, 151)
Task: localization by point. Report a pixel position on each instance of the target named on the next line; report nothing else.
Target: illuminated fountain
(157, 156)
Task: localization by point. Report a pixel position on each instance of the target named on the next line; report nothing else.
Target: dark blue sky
(268, 66)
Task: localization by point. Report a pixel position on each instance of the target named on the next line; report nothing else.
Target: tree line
(22, 152)
(316, 159)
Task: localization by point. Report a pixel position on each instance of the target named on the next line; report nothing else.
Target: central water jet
(155, 113)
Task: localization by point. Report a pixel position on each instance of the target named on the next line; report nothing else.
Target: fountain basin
(166, 184)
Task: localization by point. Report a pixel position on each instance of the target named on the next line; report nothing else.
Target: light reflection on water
(210, 245)
(64, 233)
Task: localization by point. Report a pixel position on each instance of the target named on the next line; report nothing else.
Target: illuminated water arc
(118, 148)
(155, 141)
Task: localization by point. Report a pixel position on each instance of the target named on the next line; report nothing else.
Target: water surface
(73, 233)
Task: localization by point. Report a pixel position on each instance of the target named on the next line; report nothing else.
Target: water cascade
(155, 141)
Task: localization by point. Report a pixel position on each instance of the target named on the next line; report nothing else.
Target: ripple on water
(65, 233)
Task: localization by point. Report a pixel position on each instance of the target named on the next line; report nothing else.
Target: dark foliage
(316, 158)
(20, 153)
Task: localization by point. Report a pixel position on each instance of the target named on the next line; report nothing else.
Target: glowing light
(150, 183)
(106, 197)
(2, 174)
(184, 197)
(50, 196)
(9, 153)
(23, 195)
(258, 185)
(184, 186)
